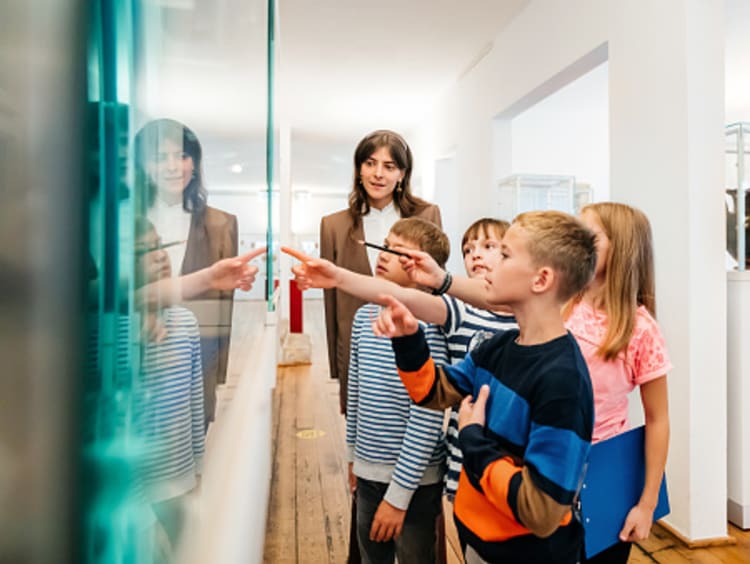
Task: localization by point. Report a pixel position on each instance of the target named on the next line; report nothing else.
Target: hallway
(308, 513)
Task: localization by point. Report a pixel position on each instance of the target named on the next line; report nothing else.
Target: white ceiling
(350, 66)
(345, 66)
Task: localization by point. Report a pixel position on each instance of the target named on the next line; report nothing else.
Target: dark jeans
(615, 554)
(416, 543)
(354, 557)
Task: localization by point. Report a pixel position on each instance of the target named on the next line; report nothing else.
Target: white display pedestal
(738, 392)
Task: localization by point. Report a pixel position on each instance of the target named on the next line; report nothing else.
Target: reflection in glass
(160, 278)
(738, 183)
(169, 176)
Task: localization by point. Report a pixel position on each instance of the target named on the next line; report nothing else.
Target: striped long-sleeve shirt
(389, 438)
(171, 421)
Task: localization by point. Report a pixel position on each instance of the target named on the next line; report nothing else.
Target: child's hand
(352, 479)
(395, 320)
(421, 267)
(312, 273)
(387, 523)
(472, 412)
(234, 272)
(637, 524)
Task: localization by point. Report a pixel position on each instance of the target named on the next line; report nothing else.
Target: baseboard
(738, 514)
(701, 543)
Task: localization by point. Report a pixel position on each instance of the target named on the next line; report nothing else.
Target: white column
(666, 133)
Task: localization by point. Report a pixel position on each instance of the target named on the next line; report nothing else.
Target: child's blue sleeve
(429, 384)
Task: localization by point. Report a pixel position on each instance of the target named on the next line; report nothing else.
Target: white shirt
(376, 226)
(172, 224)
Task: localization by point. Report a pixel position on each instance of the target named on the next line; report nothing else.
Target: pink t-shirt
(645, 359)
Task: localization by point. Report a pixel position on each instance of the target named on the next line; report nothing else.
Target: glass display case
(520, 193)
(737, 153)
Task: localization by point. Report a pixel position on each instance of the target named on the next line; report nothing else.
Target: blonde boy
(527, 436)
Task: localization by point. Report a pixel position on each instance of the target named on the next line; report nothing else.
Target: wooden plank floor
(308, 514)
(308, 519)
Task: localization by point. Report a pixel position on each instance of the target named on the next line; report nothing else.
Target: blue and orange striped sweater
(522, 469)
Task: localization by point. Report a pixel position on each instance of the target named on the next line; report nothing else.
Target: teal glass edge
(270, 45)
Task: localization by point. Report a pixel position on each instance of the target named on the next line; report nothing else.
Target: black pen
(158, 247)
(381, 248)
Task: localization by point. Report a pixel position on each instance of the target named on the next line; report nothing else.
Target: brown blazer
(213, 236)
(338, 243)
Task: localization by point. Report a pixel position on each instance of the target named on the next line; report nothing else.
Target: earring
(398, 187)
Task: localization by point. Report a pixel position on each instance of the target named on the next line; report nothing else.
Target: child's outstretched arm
(320, 273)
(423, 270)
(225, 274)
(429, 385)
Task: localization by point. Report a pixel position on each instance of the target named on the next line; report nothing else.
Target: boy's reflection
(171, 418)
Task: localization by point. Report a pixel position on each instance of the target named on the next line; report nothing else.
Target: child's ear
(543, 280)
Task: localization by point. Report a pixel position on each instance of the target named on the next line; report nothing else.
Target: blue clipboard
(612, 486)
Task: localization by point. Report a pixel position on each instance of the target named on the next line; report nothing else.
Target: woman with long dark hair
(381, 195)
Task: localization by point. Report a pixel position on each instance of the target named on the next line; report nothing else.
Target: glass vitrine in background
(737, 160)
(527, 192)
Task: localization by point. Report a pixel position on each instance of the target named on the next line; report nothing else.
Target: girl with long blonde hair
(613, 320)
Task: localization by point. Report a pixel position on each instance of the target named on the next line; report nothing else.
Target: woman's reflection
(169, 171)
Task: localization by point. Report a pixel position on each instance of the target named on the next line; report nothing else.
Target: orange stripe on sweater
(489, 521)
(488, 515)
(419, 382)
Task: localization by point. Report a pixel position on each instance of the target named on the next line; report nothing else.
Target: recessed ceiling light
(236, 168)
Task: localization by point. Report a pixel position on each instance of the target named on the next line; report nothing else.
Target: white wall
(321, 178)
(665, 123)
(320, 181)
(448, 197)
(568, 133)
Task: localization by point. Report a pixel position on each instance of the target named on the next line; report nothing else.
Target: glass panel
(178, 108)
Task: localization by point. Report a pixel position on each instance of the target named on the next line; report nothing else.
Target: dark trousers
(354, 556)
(416, 543)
(615, 554)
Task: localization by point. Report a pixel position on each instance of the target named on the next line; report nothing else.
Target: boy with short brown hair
(395, 448)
